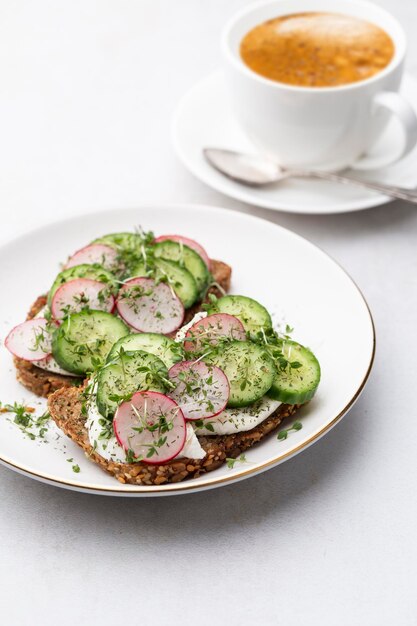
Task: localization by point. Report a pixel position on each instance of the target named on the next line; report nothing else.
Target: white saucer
(204, 119)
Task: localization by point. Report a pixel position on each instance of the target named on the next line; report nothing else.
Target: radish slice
(187, 242)
(50, 365)
(150, 425)
(201, 390)
(94, 253)
(32, 340)
(79, 294)
(150, 307)
(209, 329)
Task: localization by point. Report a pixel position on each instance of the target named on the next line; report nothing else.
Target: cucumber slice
(296, 384)
(129, 246)
(130, 371)
(178, 277)
(84, 339)
(249, 368)
(95, 272)
(185, 257)
(251, 313)
(168, 350)
(126, 241)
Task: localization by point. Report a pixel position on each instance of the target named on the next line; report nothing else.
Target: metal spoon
(256, 171)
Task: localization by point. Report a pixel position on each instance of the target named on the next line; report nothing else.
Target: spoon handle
(388, 190)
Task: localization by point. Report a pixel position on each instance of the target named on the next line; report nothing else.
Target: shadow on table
(227, 510)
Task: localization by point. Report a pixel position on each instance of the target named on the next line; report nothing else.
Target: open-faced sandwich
(151, 367)
(94, 281)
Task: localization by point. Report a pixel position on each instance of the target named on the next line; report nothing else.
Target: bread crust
(43, 383)
(65, 408)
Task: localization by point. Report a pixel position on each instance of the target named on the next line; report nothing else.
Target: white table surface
(87, 91)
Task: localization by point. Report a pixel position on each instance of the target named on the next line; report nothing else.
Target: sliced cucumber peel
(185, 257)
(82, 342)
(166, 349)
(298, 373)
(127, 373)
(251, 313)
(249, 368)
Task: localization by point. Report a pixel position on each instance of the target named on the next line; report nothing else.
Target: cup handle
(400, 108)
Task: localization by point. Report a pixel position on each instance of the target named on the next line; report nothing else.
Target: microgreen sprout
(31, 425)
(230, 462)
(283, 434)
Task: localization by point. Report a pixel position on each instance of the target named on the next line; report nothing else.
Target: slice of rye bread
(42, 383)
(65, 409)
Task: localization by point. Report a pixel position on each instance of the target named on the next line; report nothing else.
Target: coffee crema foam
(317, 49)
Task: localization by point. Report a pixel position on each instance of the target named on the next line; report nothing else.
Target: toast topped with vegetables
(99, 278)
(151, 367)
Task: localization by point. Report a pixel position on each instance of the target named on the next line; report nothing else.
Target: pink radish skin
(145, 409)
(99, 253)
(150, 307)
(31, 340)
(67, 297)
(187, 242)
(201, 390)
(212, 327)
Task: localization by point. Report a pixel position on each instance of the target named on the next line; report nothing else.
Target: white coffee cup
(326, 128)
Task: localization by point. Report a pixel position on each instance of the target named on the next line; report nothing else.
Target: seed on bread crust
(65, 409)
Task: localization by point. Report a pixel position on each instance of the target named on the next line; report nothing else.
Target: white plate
(293, 278)
(204, 119)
